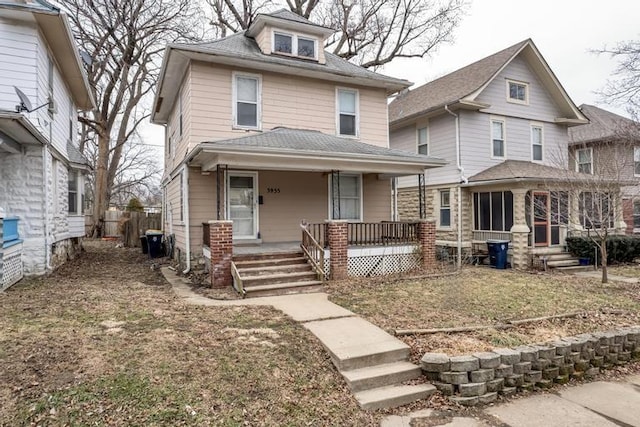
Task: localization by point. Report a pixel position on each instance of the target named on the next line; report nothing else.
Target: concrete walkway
(597, 274)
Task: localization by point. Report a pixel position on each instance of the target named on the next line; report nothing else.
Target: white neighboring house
(41, 170)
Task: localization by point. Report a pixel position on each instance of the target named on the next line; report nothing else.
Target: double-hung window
(584, 160)
(246, 101)
(497, 138)
(74, 192)
(423, 141)
(445, 208)
(536, 143)
(347, 112)
(346, 197)
(636, 161)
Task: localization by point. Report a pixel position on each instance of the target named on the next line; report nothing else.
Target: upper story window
(423, 141)
(536, 143)
(636, 161)
(584, 160)
(497, 138)
(347, 100)
(517, 92)
(295, 45)
(246, 101)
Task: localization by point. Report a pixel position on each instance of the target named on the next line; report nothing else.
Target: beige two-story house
(502, 123)
(268, 130)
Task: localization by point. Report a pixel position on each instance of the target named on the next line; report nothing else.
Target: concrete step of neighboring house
(381, 375)
(267, 256)
(393, 396)
(274, 269)
(563, 263)
(269, 262)
(272, 279)
(284, 288)
(559, 256)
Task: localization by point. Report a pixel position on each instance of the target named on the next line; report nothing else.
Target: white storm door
(242, 204)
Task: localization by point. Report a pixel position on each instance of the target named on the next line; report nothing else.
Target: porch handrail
(313, 252)
(237, 280)
(382, 233)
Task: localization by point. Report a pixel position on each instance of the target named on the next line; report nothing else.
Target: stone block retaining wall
(479, 378)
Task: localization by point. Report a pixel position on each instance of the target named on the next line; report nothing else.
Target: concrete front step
(272, 279)
(271, 262)
(381, 375)
(393, 396)
(574, 268)
(560, 256)
(563, 263)
(354, 343)
(284, 288)
(274, 269)
(266, 256)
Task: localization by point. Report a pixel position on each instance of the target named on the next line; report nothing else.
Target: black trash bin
(154, 243)
(498, 253)
(143, 244)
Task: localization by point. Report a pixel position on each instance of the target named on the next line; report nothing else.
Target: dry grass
(483, 296)
(167, 364)
(626, 270)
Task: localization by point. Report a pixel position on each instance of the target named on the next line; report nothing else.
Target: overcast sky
(563, 30)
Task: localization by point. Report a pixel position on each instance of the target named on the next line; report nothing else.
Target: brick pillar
(627, 214)
(427, 239)
(221, 245)
(337, 235)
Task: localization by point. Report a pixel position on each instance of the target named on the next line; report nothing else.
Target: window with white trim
(75, 192)
(517, 92)
(636, 161)
(348, 193)
(246, 101)
(423, 141)
(536, 143)
(306, 47)
(282, 43)
(596, 210)
(497, 138)
(445, 208)
(294, 45)
(347, 112)
(584, 160)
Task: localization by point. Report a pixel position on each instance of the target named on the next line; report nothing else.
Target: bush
(619, 248)
(134, 206)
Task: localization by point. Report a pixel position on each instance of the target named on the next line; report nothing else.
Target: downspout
(185, 192)
(463, 180)
(45, 186)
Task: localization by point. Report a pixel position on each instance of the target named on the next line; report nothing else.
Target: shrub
(134, 205)
(619, 248)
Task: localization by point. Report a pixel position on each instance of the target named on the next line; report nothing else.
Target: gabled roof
(461, 88)
(287, 19)
(519, 170)
(301, 149)
(603, 126)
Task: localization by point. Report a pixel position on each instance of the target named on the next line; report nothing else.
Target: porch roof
(519, 170)
(308, 150)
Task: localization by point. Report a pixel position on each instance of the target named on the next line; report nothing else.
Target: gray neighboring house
(502, 123)
(41, 170)
(608, 138)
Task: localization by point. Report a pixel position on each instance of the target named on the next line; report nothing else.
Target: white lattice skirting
(379, 261)
(12, 267)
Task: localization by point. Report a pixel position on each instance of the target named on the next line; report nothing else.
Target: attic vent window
(294, 45)
(517, 92)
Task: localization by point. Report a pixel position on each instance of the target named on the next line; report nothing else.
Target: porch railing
(371, 233)
(237, 280)
(313, 252)
(206, 235)
(484, 235)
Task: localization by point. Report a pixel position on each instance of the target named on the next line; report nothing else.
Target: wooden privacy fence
(127, 225)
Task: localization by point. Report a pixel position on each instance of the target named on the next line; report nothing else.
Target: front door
(541, 218)
(242, 204)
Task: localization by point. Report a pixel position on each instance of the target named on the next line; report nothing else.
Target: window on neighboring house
(347, 112)
(636, 161)
(246, 101)
(596, 209)
(423, 141)
(636, 213)
(536, 143)
(445, 208)
(75, 199)
(346, 197)
(282, 43)
(584, 160)
(493, 211)
(497, 138)
(518, 92)
(306, 47)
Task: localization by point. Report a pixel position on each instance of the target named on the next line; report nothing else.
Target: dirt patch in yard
(104, 341)
(483, 296)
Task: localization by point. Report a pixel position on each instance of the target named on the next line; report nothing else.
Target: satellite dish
(25, 104)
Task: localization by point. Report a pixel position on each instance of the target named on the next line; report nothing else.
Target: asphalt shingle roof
(75, 156)
(604, 125)
(519, 169)
(311, 141)
(290, 16)
(452, 87)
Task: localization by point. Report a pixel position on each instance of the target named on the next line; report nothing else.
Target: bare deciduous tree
(369, 32)
(123, 40)
(624, 87)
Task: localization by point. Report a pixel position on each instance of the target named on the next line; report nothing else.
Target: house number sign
(273, 190)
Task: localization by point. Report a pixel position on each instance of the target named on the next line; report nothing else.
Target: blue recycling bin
(154, 243)
(498, 253)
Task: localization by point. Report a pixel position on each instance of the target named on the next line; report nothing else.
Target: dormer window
(294, 45)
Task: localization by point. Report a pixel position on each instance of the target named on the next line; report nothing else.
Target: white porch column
(519, 230)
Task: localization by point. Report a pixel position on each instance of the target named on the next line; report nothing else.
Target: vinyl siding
(180, 142)
(18, 46)
(173, 216)
(376, 198)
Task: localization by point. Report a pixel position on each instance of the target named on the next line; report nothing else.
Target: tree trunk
(603, 256)
(101, 195)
